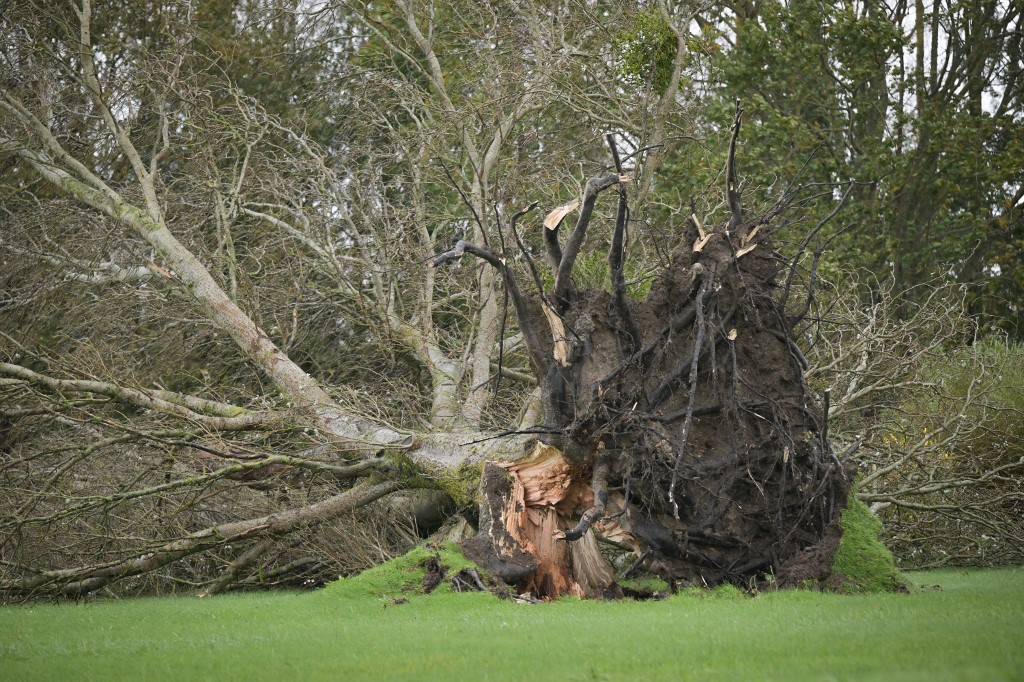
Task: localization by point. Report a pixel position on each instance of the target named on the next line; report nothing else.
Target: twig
(807, 240)
(732, 185)
(531, 338)
(467, 202)
(635, 564)
(522, 248)
(616, 260)
(824, 419)
(684, 430)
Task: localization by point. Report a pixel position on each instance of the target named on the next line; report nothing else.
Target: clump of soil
(433, 573)
(812, 565)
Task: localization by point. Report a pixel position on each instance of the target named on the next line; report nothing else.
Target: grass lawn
(970, 627)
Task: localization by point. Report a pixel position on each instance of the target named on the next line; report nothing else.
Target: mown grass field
(964, 625)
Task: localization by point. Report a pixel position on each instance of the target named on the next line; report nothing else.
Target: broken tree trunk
(678, 429)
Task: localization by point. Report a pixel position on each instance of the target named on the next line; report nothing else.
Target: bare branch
(211, 414)
(86, 579)
(563, 278)
(732, 183)
(684, 429)
(617, 257)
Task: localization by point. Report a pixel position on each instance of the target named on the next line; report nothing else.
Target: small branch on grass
(236, 567)
(636, 563)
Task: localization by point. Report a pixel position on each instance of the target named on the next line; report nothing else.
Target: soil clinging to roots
(687, 431)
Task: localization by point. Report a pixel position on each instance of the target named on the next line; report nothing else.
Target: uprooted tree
(679, 426)
(203, 233)
(677, 429)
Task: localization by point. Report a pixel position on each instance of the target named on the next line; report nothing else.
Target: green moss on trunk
(862, 561)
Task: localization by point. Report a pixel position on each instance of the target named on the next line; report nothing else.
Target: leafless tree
(932, 415)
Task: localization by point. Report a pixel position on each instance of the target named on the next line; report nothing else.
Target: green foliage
(862, 558)
(646, 51)
(992, 370)
(830, 96)
(723, 591)
(939, 419)
(964, 625)
(591, 272)
(727, 591)
(402, 576)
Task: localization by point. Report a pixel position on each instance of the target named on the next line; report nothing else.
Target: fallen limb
(85, 579)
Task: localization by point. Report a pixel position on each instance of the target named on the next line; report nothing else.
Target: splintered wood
(545, 496)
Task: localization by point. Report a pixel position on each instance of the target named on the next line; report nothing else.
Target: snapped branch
(563, 277)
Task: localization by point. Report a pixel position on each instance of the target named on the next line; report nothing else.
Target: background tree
(920, 103)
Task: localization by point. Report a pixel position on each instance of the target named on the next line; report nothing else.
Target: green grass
(401, 577)
(645, 586)
(970, 629)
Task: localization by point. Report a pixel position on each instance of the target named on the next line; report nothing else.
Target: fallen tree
(677, 429)
(675, 434)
